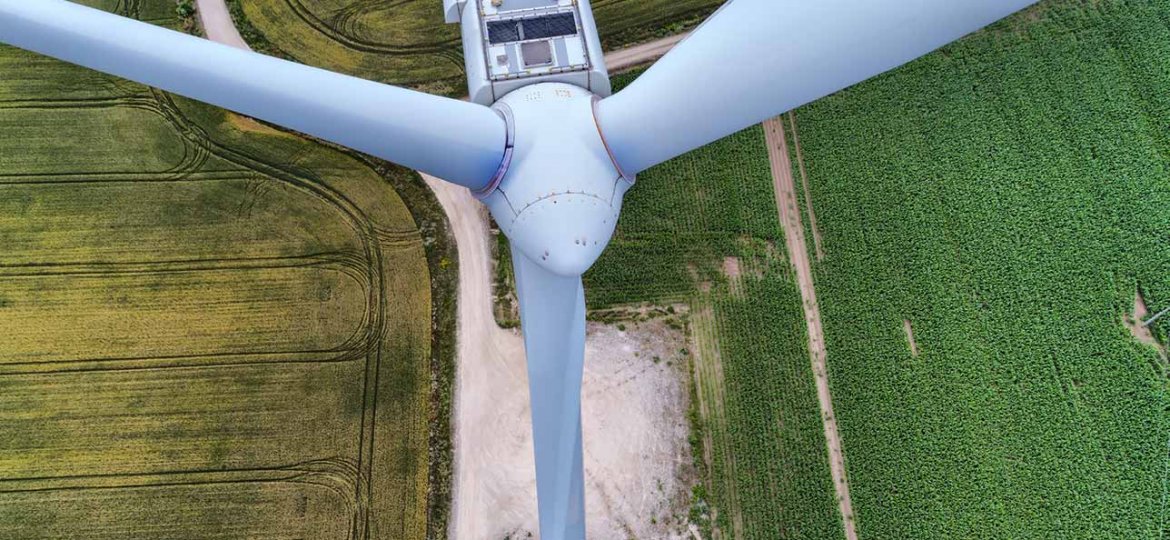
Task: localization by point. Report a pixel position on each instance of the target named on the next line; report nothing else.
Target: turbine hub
(559, 197)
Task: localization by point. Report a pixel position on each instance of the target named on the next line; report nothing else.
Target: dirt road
(633, 412)
(790, 219)
(629, 58)
(490, 393)
(218, 25)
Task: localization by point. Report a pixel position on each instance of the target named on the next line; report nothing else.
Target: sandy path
(629, 58)
(490, 391)
(218, 25)
(790, 219)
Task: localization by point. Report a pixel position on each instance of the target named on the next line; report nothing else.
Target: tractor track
(360, 44)
(374, 235)
(364, 266)
(790, 220)
(360, 223)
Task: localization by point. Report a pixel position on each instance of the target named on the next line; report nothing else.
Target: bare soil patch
(1143, 333)
(732, 270)
(248, 124)
(731, 267)
(909, 328)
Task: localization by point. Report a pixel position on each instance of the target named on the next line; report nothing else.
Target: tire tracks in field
(790, 221)
(808, 205)
(710, 392)
(373, 236)
(20, 179)
(365, 265)
(339, 476)
(367, 233)
(193, 158)
(342, 29)
(358, 345)
(347, 19)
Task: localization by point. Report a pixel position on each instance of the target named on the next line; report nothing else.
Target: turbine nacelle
(559, 193)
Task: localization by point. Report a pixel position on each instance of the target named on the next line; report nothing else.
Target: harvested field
(204, 331)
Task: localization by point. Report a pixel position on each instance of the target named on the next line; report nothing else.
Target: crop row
(703, 229)
(1007, 197)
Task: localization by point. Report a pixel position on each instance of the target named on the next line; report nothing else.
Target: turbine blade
(754, 59)
(457, 141)
(552, 312)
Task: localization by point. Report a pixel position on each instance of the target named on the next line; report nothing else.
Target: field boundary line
(358, 44)
(339, 260)
(808, 204)
(709, 391)
(790, 221)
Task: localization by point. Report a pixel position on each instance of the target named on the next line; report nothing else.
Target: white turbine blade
(552, 314)
(754, 59)
(457, 141)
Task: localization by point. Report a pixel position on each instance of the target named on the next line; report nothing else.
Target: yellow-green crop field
(208, 328)
(406, 43)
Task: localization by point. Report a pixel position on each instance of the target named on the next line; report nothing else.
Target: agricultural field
(988, 215)
(407, 44)
(703, 230)
(208, 328)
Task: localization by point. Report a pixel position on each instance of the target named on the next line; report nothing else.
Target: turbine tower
(542, 142)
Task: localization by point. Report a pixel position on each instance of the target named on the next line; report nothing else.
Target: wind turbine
(542, 143)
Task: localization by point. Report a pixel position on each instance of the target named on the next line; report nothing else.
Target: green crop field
(703, 230)
(406, 43)
(208, 328)
(1006, 198)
